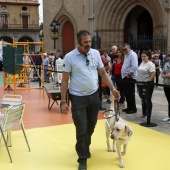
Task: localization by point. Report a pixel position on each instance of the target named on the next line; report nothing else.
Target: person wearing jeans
(145, 73)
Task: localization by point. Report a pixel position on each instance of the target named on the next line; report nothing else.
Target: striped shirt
(130, 64)
(144, 71)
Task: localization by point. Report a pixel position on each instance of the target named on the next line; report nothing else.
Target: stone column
(168, 25)
(91, 17)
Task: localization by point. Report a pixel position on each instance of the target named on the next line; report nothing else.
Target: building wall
(15, 23)
(105, 17)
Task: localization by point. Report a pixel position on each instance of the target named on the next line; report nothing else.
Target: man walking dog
(82, 66)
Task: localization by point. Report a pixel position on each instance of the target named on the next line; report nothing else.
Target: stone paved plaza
(160, 108)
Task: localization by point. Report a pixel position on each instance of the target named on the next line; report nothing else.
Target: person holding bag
(145, 73)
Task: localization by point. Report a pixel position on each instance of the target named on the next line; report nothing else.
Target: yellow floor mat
(52, 148)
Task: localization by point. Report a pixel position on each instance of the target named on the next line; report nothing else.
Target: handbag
(160, 69)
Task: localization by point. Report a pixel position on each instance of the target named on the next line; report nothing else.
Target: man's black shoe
(125, 110)
(89, 156)
(131, 111)
(82, 166)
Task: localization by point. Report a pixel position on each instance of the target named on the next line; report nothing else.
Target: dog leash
(117, 112)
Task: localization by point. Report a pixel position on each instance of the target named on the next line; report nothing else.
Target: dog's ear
(128, 130)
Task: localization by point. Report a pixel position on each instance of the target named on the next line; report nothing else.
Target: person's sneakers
(131, 111)
(167, 119)
(142, 116)
(82, 166)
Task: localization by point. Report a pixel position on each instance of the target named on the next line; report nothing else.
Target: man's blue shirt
(83, 77)
(130, 64)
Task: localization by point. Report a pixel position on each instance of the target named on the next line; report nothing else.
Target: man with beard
(82, 66)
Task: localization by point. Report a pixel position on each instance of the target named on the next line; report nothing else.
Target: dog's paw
(121, 164)
(123, 153)
(114, 150)
(109, 150)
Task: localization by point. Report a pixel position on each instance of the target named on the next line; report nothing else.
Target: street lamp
(54, 26)
(41, 34)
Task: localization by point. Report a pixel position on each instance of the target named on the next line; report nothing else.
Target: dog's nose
(112, 136)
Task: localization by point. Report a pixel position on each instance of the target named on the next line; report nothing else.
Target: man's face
(85, 43)
(126, 49)
(114, 50)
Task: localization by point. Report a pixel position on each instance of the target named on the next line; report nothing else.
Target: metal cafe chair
(11, 100)
(13, 119)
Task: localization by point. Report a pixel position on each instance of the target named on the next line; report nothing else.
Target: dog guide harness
(117, 113)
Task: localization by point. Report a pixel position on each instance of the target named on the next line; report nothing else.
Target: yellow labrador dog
(119, 131)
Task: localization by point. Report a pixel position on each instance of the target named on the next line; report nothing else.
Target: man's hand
(116, 94)
(129, 76)
(167, 75)
(64, 108)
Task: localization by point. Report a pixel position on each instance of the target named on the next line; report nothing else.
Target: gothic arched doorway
(138, 28)
(68, 37)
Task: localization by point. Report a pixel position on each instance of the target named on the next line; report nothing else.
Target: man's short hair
(82, 33)
(126, 44)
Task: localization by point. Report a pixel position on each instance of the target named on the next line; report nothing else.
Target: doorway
(68, 37)
(138, 28)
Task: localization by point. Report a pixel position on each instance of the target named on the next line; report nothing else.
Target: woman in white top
(145, 73)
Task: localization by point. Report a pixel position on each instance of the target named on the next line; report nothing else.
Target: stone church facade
(141, 23)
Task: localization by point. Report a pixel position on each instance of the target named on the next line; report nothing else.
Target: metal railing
(145, 42)
(19, 27)
(21, 1)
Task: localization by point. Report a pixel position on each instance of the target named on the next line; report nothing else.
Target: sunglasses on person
(124, 49)
(87, 60)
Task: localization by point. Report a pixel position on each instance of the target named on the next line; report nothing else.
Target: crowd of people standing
(128, 67)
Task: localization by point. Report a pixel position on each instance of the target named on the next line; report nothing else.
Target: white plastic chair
(13, 119)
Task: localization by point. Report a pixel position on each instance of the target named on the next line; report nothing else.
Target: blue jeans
(143, 94)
